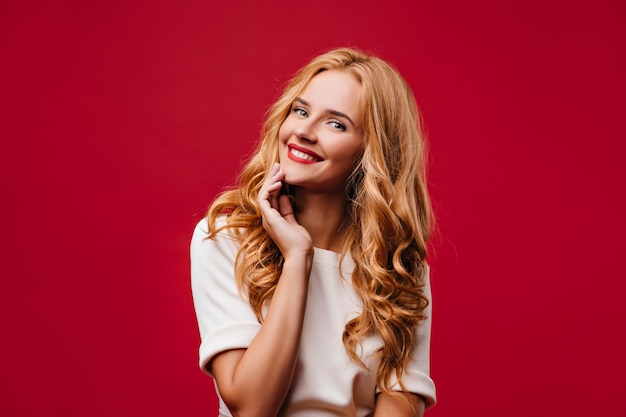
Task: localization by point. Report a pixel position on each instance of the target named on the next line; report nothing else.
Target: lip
(305, 151)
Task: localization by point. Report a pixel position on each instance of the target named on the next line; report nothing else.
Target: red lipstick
(302, 155)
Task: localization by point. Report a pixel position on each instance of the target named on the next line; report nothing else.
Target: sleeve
(416, 377)
(225, 319)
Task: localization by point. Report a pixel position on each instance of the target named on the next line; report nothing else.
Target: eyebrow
(333, 112)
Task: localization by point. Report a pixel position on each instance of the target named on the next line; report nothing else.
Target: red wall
(121, 120)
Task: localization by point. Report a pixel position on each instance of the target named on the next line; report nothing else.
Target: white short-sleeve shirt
(326, 381)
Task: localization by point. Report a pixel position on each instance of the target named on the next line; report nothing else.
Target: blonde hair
(389, 211)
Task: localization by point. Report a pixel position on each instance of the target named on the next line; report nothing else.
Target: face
(321, 137)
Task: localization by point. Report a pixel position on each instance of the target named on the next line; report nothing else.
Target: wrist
(299, 261)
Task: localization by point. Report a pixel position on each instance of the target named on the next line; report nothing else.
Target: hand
(278, 218)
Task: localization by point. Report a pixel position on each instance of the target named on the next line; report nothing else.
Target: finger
(270, 183)
(272, 175)
(275, 186)
(286, 209)
(274, 194)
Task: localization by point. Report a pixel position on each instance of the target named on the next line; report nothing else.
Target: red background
(120, 121)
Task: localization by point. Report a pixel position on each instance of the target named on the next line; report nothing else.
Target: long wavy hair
(389, 214)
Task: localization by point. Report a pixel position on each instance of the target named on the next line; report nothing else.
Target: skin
(405, 405)
(324, 122)
(255, 381)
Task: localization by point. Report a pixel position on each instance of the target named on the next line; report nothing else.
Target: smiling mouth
(302, 155)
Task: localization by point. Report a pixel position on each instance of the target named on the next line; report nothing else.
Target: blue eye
(338, 125)
(300, 111)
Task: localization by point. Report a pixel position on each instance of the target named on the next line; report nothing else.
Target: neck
(324, 216)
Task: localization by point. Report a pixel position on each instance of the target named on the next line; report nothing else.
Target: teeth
(301, 155)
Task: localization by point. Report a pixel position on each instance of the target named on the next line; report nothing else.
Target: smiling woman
(310, 279)
(319, 142)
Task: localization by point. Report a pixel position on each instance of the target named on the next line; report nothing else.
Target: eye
(300, 111)
(338, 125)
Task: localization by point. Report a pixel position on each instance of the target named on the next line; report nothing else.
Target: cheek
(283, 132)
(352, 151)
(283, 137)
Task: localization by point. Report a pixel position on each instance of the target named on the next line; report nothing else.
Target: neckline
(329, 257)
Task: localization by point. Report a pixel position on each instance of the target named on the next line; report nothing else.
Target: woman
(310, 279)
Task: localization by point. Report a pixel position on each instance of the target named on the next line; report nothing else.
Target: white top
(326, 381)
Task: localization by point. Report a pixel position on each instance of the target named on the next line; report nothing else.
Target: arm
(401, 405)
(256, 380)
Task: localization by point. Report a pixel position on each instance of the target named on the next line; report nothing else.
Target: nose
(305, 131)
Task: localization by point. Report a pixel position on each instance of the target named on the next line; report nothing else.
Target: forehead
(334, 90)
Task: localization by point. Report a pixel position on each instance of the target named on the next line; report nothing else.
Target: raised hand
(279, 220)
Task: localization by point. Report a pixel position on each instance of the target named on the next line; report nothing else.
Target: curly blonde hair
(389, 211)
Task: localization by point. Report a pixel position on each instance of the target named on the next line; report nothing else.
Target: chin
(292, 180)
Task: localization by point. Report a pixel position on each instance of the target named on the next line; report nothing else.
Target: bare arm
(256, 380)
(403, 405)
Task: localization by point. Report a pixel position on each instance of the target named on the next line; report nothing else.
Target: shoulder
(213, 259)
(202, 231)
(221, 245)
